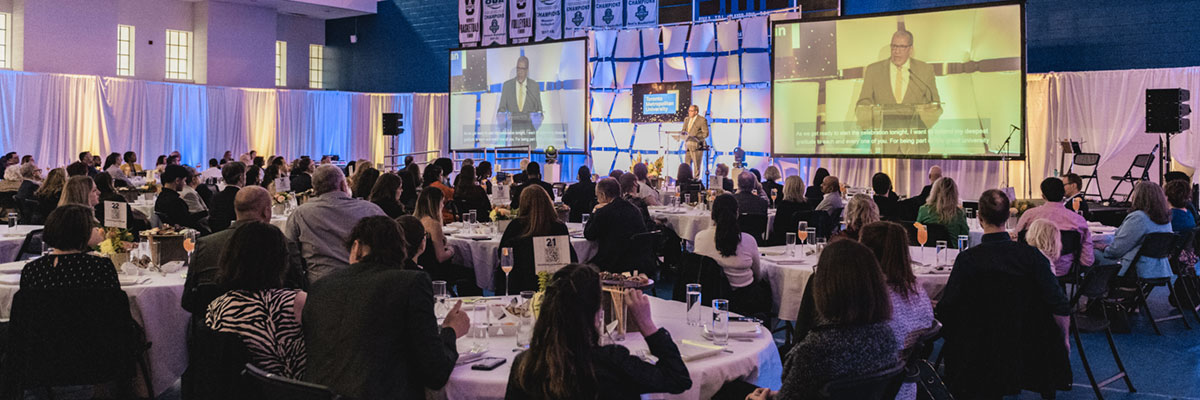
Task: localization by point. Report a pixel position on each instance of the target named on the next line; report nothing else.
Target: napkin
(172, 267)
(737, 330)
(784, 260)
(10, 279)
(693, 350)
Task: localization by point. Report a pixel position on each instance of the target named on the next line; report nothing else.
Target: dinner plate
(127, 280)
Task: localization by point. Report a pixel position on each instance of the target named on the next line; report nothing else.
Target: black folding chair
(275, 387)
(649, 243)
(935, 232)
(31, 247)
(695, 268)
(1088, 160)
(819, 220)
(1156, 245)
(880, 385)
(1095, 285)
(755, 225)
(1141, 161)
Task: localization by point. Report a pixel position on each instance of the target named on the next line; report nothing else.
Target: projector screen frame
(1021, 139)
(587, 95)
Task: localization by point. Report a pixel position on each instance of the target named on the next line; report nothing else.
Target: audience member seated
(71, 231)
(255, 172)
(173, 208)
(771, 186)
(912, 312)
(1148, 213)
(791, 201)
(414, 240)
(386, 194)
(814, 194)
(483, 176)
(257, 307)
(832, 188)
(644, 191)
(472, 196)
(222, 210)
(48, 194)
(860, 212)
(30, 181)
(536, 218)
(131, 166)
(1179, 196)
(438, 254)
(364, 182)
(104, 184)
(581, 196)
(11, 181)
(1063, 219)
(736, 252)
(722, 171)
(852, 337)
(370, 329)
(301, 179)
(1168, 177)
(999, 310)
(533, 176)
(83, 191)
(935, 173)
(1072, 186)
(213, 171)
(1044, 236)
(112, 165)
(190, 195)
(885, 199)
(321, 225)
(943, 207)
(747, 201)
(687, 184)
(160, 164)
(629, 188)
(613, 223)
(566, 361)
(410, 179)
(77, 168)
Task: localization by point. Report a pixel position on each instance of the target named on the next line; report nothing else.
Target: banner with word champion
(578, 17)
(549, 20)
(641, 13)
(495, 18)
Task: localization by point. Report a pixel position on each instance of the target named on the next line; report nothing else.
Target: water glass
(970, 213)
(585, 219)
(525, 329)
(440, 299)
(791, 244)
(687, 198)
(941, 253)
(693, 304)
(472, 217)
(555, 195)
(12, 220)
(720, 322)
(820, 244)
(963, 242)
(812, 235)
(480, 323)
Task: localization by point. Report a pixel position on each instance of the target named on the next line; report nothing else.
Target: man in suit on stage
(899, 80)
(696, 128)
(521, 98)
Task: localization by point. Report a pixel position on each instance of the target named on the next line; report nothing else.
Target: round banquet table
(756, 361)
(154, 303)
(279, 221)
(1100, 233)
(687, 221)
(481, 254)
(147, 209)
(11, 240)
(789, 275)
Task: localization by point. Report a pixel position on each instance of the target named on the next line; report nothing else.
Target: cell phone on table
(489, 363)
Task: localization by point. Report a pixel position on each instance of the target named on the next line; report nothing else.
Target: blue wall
(404, 47)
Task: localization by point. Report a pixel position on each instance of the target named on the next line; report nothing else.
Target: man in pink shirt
(1064, 219)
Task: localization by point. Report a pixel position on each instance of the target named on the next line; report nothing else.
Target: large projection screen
(959, 75)
(532, 94)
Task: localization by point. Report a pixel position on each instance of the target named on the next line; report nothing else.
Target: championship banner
(577, 16)
(609, 14)
(495, 18)
(641, 12)
(549, 20)
(520, 20)
(468, 21)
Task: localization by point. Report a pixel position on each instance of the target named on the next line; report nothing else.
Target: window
(5, 40)
(179, 55)
(280, 63)
(316, 67)
(125, 42)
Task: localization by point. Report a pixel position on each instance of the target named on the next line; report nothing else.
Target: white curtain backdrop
(54, 117)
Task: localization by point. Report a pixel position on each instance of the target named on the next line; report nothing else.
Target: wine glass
(506, 265)
(802, 232)
(922, 237)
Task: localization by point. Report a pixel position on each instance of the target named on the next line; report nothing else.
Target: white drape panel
(54, 117)
(431, 114)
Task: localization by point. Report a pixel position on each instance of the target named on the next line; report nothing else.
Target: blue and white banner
(495, 22)
(609, 14)
(577, 17)
(549, 20)
(641, 13)
(468, 21)
(520, 20)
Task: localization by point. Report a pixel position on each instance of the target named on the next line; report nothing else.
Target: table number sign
(115, 215)
(550, 253)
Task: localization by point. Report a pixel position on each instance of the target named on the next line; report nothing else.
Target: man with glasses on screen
(899, 95)
(521, 100)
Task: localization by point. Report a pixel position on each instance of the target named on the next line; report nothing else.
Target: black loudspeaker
(391, 124)
(1166, 110)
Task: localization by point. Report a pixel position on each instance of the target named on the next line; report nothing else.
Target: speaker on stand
(392, 129)
(1166, 113)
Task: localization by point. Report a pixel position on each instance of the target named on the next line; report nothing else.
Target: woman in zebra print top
(257, 307)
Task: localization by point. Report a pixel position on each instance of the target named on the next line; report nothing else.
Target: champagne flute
(189, 244)
(802, 232)
(922, 237)
(506, 265)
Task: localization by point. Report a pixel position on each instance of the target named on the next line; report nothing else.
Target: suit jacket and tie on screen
(915, 112)
(520, 104)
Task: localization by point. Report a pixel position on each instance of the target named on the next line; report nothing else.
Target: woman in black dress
(386, 194)
(70, 232)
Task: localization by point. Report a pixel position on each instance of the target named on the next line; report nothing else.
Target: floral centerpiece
(281, 201)
(654, 168)
(117, 245)
(169, 243)
(1019, 207)
(502, 216)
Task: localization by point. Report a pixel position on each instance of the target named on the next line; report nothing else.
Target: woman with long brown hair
(470, 195)
(48, 195)
(566, 361)
(437, 257)
(536, 217)
(943, 207)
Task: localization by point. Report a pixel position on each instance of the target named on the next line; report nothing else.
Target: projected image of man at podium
(899, 94)
(696, 129)
(521, 100)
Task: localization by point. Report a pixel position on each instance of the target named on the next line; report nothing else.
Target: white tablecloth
(1100, 233)
(155, 305)
(279, 221)
(11, 240)
(481, 254)
(688, 222)
(147, 209)
(788, 280)
(756, 361)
